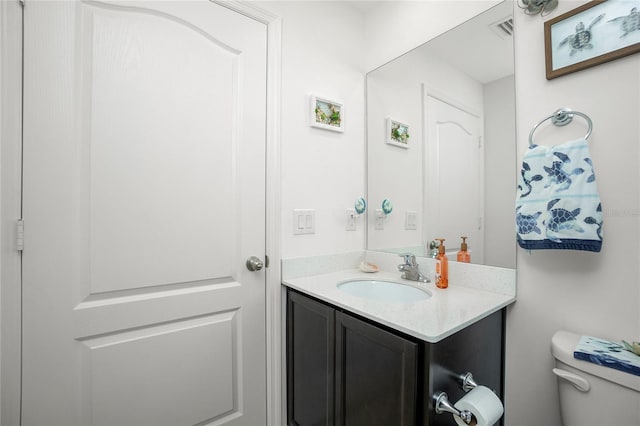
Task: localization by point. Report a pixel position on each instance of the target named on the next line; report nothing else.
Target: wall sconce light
(533, 7)
(360, 206)
(387, 207)
(381, 214)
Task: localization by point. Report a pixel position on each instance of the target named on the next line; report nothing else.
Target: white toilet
(590, 394)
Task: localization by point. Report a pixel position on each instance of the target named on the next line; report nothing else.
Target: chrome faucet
(410, 269)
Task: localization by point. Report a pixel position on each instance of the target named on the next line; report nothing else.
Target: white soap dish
(368, 267)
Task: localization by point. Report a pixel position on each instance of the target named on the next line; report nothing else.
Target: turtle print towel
(608, 354)
(557, 202)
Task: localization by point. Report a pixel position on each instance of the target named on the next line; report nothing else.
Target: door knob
(254, 264)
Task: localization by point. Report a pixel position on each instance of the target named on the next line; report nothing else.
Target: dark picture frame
(592, 34)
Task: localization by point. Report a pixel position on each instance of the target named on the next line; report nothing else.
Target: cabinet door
(376, 375)
(310, 361)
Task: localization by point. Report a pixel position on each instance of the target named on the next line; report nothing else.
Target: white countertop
(444, 313)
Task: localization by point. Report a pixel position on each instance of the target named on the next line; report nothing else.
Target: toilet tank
(590, 394)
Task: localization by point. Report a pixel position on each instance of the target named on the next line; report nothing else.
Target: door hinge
(22, 3)
(20, 235)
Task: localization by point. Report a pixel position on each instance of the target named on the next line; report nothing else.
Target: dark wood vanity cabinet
(345, 370)
(376, 381)
(310, 361)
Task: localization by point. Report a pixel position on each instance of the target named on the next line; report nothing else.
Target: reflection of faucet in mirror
(456, 94)
(433, 249)
(410, 269)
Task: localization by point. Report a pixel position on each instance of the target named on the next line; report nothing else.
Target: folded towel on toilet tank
(557, 202)
(608, 354)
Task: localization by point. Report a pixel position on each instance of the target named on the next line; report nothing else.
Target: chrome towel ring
(562, 117)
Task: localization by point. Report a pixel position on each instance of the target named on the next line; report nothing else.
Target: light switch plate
(304, 221)
(410, 220)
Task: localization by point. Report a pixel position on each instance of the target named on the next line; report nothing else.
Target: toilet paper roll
(485, 406)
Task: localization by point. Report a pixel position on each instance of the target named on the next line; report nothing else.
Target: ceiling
(364, 6)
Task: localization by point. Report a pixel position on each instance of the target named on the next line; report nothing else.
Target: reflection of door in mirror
(454, 178)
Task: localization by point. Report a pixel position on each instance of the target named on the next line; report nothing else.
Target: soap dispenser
(463, 254)
(442, 266)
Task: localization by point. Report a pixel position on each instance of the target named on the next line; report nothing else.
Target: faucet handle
(409, 258)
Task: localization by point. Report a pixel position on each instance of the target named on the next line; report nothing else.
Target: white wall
(499, 161)
(395, 90)
(596, 294)
(394, 173)
(322, 170)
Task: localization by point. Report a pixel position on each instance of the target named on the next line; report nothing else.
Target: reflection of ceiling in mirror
(364, 5)
(478, 49)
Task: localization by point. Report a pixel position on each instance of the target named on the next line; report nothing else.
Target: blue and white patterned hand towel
(608, 354)
(557, 204)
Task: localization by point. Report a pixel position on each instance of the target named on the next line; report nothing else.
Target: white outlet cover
(351, 220)
(380, 216)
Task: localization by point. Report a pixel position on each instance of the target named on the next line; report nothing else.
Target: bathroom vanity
(354, 361)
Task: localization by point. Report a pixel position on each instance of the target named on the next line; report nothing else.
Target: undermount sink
(383, 291)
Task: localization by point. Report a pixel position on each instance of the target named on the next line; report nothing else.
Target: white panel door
(454, 174)
(144, 195)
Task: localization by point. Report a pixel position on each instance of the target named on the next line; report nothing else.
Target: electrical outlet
(351, 220)
(380, 216)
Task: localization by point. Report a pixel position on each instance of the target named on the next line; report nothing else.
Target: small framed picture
(592, 34)
(326, 114)
(397, 133)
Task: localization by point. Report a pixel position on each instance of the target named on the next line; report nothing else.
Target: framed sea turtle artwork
(397, 133)
(592, 34)
(326, 114)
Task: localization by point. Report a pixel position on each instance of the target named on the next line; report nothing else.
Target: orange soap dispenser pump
(442, 266)
(463, 254)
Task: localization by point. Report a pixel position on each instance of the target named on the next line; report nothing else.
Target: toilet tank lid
(563, 343)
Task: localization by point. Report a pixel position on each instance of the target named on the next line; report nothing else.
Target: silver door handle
(254, 264)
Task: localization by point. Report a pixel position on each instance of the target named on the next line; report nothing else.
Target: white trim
(275, 366)
(10, 208)
(276, 390)
(276, 371)
(456, 103)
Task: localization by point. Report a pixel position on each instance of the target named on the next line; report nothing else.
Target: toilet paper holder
(466, 381)
(443, 405)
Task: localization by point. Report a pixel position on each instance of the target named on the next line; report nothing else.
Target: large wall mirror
(441, 144)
